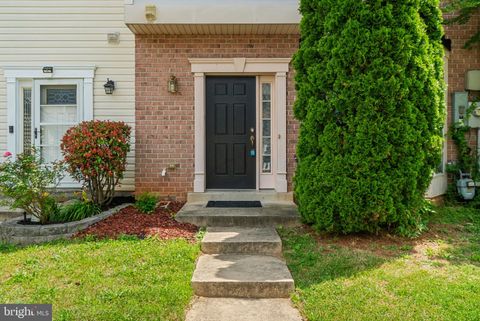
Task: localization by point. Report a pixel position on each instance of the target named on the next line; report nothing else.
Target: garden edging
(14, 233)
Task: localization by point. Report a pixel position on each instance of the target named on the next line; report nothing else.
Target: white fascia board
(216, 12)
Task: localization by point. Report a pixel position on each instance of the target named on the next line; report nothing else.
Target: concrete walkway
(242, 275)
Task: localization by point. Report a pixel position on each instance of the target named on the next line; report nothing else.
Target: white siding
(72, 33)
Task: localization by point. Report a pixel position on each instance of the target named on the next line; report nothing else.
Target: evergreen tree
(370, 100)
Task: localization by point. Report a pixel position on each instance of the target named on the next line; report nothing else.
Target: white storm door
(58, 106)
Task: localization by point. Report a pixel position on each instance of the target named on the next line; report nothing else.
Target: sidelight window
(266, 103)
(27, 118)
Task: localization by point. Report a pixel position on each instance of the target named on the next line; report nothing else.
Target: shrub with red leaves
(96, 154)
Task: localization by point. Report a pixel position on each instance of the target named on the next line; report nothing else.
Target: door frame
(276, 67)
(16, 75)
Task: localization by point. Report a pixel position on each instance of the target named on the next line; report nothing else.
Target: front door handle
(252, 136)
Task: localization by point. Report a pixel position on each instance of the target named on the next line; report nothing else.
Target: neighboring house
(36, 105)
(460, 62)
(208, 85)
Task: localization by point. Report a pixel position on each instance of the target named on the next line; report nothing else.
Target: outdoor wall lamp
(172, 84)
(109, 86)
(47, 70)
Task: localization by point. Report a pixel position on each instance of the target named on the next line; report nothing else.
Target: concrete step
(231, 309)
(6, 213)
(242, 240)
(239, 195)
(271, 214)
(242, 276)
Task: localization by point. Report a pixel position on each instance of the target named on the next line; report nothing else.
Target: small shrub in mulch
(129, 221)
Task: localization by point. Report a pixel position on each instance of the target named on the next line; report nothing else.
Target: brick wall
(165, 122)
(460, 61)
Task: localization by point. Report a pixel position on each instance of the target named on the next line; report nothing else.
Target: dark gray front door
(230, 132)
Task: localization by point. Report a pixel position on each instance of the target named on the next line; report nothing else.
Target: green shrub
(370, 100)
(51, 207)
(146, 203)
(76, 211)
(28, 182)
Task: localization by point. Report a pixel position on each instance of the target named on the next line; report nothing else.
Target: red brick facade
(165, 121)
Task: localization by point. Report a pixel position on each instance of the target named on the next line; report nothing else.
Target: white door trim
(14, 74)
(201, 67)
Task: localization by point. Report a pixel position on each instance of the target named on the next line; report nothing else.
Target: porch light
(47, 70)
(172, 84)
(109, 86)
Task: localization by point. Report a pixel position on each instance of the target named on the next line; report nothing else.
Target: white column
(281, 105)
(12, 115)
(88, 98)
(199, 180)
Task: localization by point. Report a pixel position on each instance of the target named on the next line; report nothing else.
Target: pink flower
(7, 154)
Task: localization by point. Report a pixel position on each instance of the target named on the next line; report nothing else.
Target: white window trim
(14, 74)
(278, 67)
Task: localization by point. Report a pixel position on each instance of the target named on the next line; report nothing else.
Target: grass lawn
(124, 279)
(435, 277)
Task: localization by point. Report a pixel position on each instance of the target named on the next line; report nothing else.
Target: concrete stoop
(240, 195)
(271, 214)
(7, 213)
(241, 276)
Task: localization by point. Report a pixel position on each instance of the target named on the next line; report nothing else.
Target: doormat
(234, 204)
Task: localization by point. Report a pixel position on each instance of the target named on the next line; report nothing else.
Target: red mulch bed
(129, 221)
